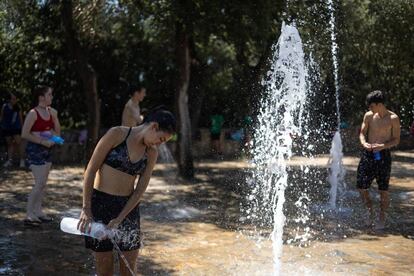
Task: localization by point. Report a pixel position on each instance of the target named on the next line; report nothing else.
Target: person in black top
(109, 196)
(11, 120)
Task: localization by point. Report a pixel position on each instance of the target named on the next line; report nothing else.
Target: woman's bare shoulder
(115, 135)
(53, 111)
(31, 114)
(117, 131)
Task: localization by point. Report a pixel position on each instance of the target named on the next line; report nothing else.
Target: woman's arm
(104, 145)
(139, 190)
(56, 122)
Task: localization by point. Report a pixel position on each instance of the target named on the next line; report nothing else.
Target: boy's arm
(396, 131)
(363, 133)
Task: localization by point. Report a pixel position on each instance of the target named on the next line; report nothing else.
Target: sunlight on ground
(193, 228)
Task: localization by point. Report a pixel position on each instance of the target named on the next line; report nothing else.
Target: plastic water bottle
(377, 155)
(98, 230)
(57, 139)
(54, 138)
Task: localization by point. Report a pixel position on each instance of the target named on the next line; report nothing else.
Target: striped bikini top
(118, 158)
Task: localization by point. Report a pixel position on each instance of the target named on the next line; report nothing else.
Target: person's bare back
(131, 115)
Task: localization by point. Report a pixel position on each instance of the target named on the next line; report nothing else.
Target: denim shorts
(106, 207)
(37, 154)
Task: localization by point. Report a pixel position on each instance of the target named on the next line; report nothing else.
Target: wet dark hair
(165, 119)
(40, 90)
(376, 96)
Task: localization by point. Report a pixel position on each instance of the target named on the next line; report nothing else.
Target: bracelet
(84, 208)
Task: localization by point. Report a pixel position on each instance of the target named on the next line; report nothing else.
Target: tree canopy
(130, 42)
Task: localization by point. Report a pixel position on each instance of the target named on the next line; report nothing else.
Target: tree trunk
(197, 93)
(89, 84)
(196, 89)
(251, 76)
(184, 151)
(86, 73)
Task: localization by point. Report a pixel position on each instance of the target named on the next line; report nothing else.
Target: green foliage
(131, 42)
(376, 45)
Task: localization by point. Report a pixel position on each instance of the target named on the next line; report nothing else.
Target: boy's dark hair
(133, 88)
(165, 119)
(376, 96)
(40, 90)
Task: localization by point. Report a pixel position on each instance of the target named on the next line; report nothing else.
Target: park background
(213, 54)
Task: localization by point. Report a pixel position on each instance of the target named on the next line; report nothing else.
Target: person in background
(131, 115)
(109, 193)
(380, 131)
(40, 125)
(11, 120)
(247, 133)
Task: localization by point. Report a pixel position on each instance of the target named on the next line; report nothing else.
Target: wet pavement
(194, 228)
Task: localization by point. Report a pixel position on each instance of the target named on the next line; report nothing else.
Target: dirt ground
(193, 228)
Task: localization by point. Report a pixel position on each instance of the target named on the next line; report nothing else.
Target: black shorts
(369, 168)
(215, 136)
(106, 207)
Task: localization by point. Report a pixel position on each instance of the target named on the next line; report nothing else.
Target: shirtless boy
(380, 131)
(131, 116)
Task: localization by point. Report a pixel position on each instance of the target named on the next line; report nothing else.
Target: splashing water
(334, 53)
(279, 120)
(166, 158)
(336, 168)
(125, 236)
(165, 154)
(123, 258)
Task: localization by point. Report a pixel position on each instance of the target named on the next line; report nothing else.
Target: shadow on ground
(214, 197)
(222, 191)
